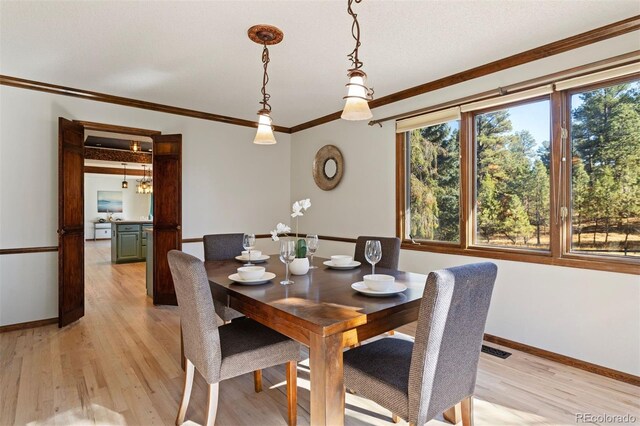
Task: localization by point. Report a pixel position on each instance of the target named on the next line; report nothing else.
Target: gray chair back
(449, 336)
(390, 251)
(222, 246)
(197, 317)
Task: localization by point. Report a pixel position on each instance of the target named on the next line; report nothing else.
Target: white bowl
(379, 282)
(255, 254)
(341, 259)
(251, 272)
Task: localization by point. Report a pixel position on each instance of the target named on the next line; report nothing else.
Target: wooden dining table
(323, 312)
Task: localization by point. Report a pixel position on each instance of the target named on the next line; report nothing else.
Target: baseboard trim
(566, 360)
(28, 324)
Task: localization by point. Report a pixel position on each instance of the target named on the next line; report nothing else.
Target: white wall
(589, 315)
(134, 205)
(229, 185)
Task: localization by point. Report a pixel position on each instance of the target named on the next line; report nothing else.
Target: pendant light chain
(265, 35)
(265, 79)
(355, 33)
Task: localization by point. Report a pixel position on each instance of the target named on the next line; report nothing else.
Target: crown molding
(22, 83)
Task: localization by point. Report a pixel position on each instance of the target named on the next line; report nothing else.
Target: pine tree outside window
(434, 182)
(605, 170)
(512, 172)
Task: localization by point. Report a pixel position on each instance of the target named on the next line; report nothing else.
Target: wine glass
(312, 245)
(248, 242)
(373, 253)
(287, 254)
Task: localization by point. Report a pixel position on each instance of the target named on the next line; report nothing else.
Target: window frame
(474, 164)
(559, 252)
(567, 251)
(403, 233)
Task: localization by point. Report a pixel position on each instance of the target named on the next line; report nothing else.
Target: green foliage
(513, 182)
(515, 222)
(606, 162)
(301, 248)
(488, 208)
(434, 183)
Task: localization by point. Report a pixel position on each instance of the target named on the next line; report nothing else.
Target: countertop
(128, 222)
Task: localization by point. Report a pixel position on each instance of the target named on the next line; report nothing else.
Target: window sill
(572, 260)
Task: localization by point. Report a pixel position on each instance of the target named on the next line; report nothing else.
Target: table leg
(327, 382)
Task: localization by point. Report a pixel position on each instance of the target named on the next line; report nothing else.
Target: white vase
(299, 266)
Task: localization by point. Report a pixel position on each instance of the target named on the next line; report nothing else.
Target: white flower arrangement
(281, 228)
(297, 211)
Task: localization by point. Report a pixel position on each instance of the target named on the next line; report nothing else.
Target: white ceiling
(197, 55)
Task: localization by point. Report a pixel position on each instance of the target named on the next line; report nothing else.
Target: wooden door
(167, 213)
(70, 222)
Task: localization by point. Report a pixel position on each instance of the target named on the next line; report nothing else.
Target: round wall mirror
(328, 167)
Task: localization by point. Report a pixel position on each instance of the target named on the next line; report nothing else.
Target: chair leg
(257, 380)
(186, 393)
(292, 392)
(467, 411)
(183, 359)
(395, 418)
(212, 404)
(453, 415)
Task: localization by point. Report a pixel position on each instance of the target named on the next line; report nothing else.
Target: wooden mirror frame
(325, 154)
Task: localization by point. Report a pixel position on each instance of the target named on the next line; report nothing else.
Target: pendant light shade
(356, 106)
(264, 135)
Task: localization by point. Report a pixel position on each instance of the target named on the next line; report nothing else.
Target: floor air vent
(495, 352)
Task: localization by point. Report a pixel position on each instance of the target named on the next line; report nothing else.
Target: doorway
(166, 210)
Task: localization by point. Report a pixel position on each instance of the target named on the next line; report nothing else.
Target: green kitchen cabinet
(128, 245)
(129, 242)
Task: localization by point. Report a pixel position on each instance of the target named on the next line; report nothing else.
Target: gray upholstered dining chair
(436, 373)
(390, 251)
(223, 247)
(227, 247)
(233, 349)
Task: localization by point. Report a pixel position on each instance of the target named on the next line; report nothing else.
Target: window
(434, 182)
(548, 174)
(513, 176)
(605, 170)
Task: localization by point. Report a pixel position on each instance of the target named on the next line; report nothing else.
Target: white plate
(353, 264)
(268, 276)
(260, 259)
(395, 289)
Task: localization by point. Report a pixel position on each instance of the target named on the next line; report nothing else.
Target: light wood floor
(120, 364)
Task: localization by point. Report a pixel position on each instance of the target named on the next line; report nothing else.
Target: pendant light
(125, 184)
(356, 105)
(266, 35)
(134, 146)
(145, 186)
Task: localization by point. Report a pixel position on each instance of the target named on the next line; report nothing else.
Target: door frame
(112, 128)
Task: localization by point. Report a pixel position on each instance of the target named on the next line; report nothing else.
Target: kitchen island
(129, 241)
